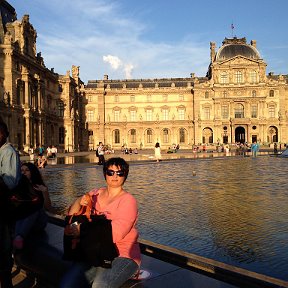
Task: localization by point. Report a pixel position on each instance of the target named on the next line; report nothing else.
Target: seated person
(38, 220)
(42, 161)
(119, 206)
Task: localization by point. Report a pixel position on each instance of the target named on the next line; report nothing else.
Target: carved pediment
(239, 60)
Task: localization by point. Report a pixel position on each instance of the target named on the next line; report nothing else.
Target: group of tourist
(112, 201)
(37, 155)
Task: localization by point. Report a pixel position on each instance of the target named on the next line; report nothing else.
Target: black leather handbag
(95, 243)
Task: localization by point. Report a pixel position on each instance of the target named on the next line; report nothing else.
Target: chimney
(212, 51)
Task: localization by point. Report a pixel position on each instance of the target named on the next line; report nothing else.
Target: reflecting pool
(234, 209)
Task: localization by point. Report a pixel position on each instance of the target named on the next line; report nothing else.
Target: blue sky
(152, 38)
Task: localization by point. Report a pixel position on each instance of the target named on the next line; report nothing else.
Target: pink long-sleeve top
(123, 212)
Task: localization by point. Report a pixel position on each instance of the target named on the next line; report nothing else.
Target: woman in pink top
(121, 207)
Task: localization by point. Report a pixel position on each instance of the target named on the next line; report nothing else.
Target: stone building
(235, 102)
(38, 105)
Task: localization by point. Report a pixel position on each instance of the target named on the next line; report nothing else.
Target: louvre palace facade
(236, 101)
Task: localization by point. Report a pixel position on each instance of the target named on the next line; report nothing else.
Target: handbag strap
(85, 208)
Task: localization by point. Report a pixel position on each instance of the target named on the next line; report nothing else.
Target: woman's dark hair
(157, 145)
(36, 177)
(4, 128)
(118, 162)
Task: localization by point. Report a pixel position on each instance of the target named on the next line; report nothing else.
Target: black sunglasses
(120, 173)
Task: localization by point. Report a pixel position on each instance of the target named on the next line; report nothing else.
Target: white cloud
(114, 61)
(117, 64)
(128, 71)
(86, 32)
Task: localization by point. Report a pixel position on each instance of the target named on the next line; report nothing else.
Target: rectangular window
(271, 111)
(149, 98)
(254, 111)
(133, 115)
(253, 77)
(61, 135)
(132, 98)
(149, 115)
(225, 112)
(116, 98)
(239, 114)
(181, 114)
(224, 78)
(117, 116)
(165, 114)
(117, 136)
(238, 77)
(90, 115)
(206, 113)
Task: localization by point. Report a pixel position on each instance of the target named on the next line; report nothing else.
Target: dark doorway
(240, 135)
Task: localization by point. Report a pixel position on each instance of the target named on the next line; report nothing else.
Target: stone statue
(75, 71)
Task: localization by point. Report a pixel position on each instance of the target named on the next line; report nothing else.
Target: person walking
(255, 149)
(157, 152)
(10, 175)
(100, 152)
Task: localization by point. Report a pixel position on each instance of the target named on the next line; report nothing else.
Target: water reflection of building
(235, 102)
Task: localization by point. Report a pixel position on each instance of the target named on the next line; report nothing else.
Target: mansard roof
(143, 83)
(234, 47)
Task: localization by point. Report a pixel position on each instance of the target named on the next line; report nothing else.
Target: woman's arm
(47, 201)
(75, 207)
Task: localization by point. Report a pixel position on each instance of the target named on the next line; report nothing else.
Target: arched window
(253, 93)
(133, 136)
(116, 136)
(271, 93)
(149, 135)
(182, 135)
(165, 135)
(206, 95)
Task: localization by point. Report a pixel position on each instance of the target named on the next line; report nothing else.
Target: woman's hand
(40, 188)
(73, 229)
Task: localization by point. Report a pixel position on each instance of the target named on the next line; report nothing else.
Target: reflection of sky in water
(234, 210)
